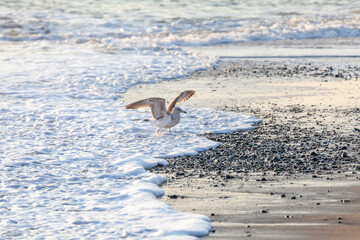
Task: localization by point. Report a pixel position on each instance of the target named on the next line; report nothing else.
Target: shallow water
(72, 160)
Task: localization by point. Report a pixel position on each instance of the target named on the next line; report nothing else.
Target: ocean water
(72, 160)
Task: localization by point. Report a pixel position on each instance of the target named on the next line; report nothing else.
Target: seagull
(163, 118)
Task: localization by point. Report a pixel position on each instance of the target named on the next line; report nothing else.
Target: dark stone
(313, 154)
(229, 177)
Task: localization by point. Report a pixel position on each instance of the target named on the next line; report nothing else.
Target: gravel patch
(282, 144)
(278, 69)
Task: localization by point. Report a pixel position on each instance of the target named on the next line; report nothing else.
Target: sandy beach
(296, 174)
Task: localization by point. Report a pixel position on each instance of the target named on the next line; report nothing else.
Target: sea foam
(79, 170)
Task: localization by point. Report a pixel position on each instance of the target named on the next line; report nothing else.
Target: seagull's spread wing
(185, 95)
(157, 106)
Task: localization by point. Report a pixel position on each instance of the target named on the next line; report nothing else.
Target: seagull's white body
(163, 118)
(169, 120)
(162, 122)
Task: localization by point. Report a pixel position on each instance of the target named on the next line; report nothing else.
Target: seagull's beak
(183, 111)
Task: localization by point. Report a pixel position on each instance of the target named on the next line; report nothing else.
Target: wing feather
(157, 106)
(185, 95)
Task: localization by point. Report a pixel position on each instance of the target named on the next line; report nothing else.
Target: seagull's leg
(158, 130)
(169, 130)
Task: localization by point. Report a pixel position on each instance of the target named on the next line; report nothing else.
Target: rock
(293, 198)
(313, 154)
(173, 196)
(283, 195)
(264, 211)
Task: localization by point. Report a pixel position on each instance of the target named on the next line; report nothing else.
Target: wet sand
(287, 177)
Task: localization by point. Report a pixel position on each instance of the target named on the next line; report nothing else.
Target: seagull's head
(179, 110)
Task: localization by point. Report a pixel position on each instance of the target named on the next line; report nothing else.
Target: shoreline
(307, 147)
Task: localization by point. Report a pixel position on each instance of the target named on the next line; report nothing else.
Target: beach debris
(345, 200)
